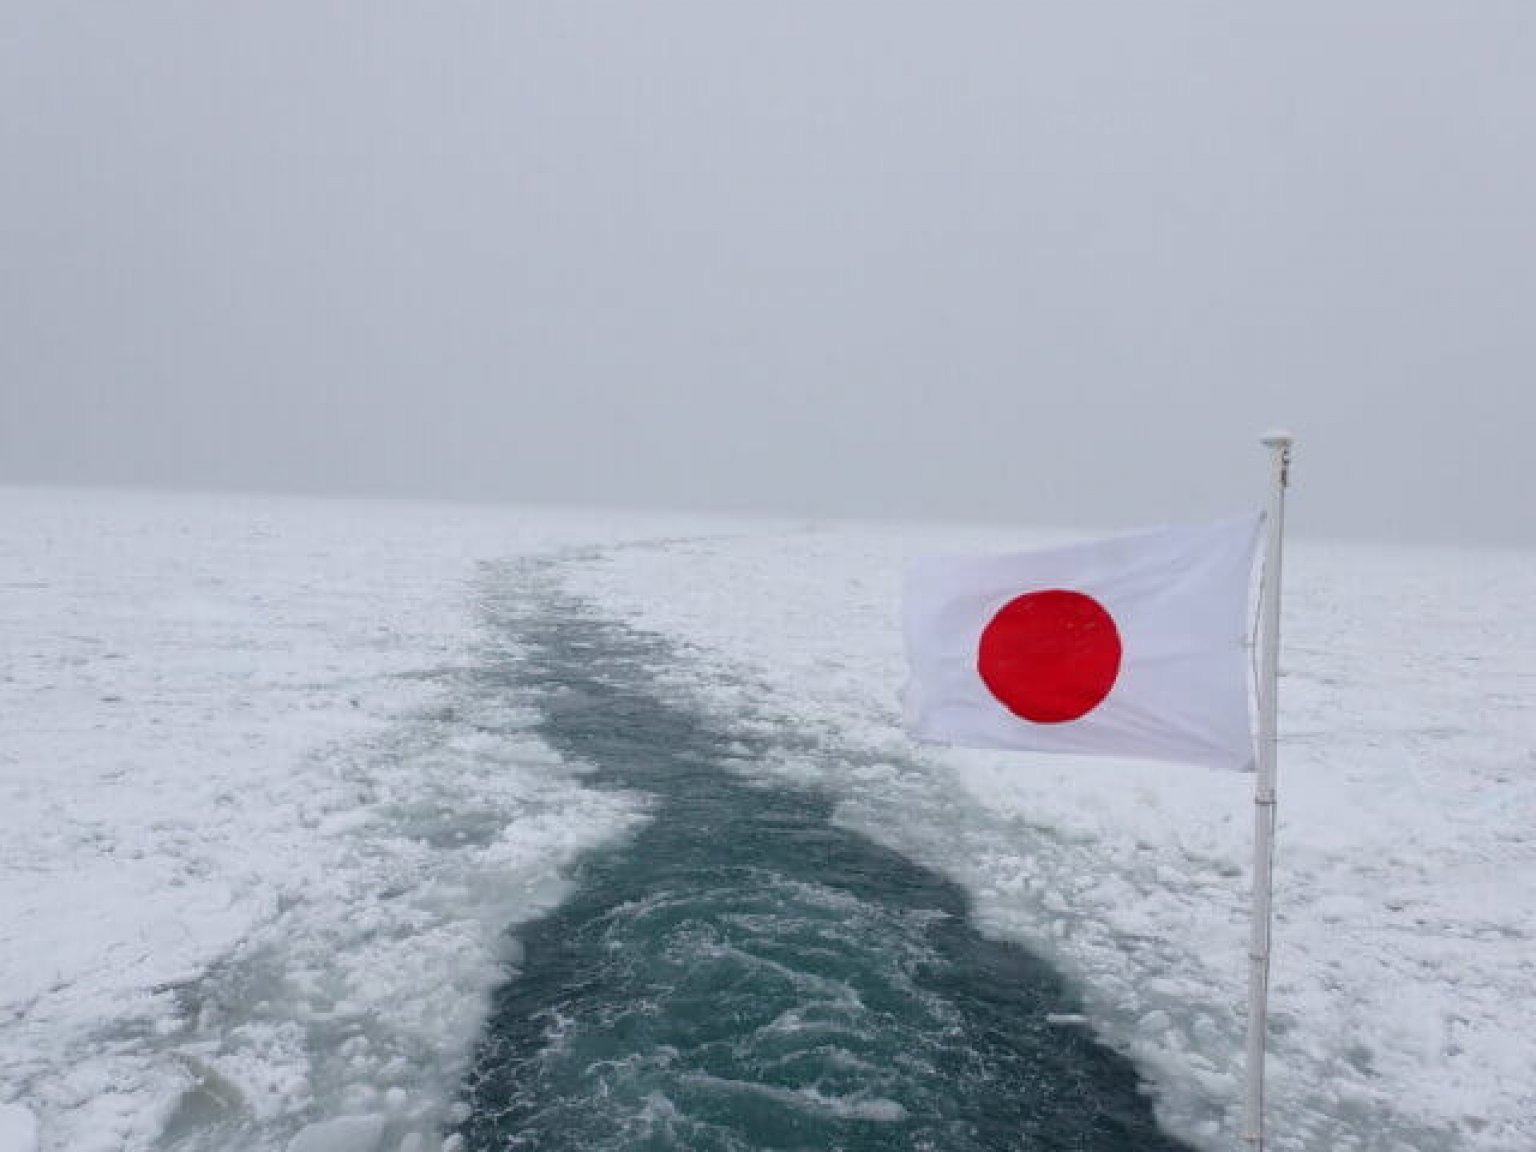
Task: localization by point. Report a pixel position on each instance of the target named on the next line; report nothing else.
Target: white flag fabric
(1133, 646)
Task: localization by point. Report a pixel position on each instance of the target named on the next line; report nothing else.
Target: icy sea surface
(316, 830)
(742, 973)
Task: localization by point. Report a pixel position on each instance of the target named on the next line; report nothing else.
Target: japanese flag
(1133, 646)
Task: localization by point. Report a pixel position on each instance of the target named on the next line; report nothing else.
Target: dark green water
(742, 974)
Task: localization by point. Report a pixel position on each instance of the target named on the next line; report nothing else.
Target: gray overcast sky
(1054, 263)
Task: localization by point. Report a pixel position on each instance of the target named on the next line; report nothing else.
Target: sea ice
(18, 1129)
(264, 821)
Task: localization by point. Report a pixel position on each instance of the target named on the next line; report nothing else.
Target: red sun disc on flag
(1050, 657)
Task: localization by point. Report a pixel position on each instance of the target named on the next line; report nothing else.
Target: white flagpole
(1279, 445)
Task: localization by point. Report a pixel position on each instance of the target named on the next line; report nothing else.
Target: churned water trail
(744, 974)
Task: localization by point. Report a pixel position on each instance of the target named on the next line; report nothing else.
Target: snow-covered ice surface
(261, 828)
(263, 822)
(1403, 977)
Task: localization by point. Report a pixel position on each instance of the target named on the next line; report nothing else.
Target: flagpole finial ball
(1277, 438)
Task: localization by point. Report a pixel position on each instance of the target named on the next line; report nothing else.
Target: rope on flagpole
(1279, 445)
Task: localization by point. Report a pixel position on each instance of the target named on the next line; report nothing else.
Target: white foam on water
(820, 1104)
